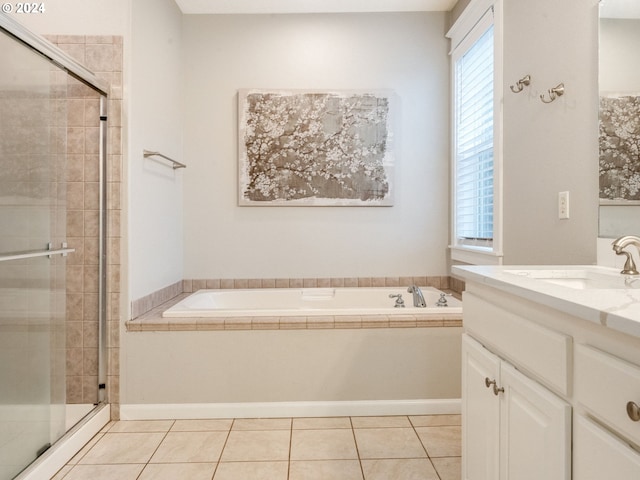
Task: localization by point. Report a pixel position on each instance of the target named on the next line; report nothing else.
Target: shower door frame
(79, 72)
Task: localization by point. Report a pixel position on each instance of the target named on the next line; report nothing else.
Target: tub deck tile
(293, 323)
(429, 321)
(452, 322)
(375, 321)
(189, 324)
(154, 321)
(403, 321)
(237, 323)
(210, 324)
(348, 321)
(265, 323)
(321, 321)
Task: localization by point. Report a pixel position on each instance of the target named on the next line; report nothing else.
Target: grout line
(226, 440)
(290, 448)
(355, 440)
(425, 449)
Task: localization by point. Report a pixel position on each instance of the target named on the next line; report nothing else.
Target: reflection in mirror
(619, 79)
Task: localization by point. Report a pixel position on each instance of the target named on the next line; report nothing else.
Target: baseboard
(289, 409)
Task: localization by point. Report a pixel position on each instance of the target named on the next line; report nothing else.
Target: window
(475, 163)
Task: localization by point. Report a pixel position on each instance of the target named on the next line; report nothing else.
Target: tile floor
(341, 448)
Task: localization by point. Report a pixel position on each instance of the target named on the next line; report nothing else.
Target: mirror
(619, 80)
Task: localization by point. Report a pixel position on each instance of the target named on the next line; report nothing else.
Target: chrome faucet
(418, 298)
(399, 301)
(619, 244)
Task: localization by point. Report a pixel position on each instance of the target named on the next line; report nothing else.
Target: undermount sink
(580, 279)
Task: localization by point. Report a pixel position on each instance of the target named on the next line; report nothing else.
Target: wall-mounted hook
(553, 93)
(520, 84)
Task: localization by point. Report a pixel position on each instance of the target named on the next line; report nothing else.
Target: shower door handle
(63, 250)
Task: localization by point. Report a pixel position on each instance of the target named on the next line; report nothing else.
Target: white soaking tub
(301, 352)
(308, 302)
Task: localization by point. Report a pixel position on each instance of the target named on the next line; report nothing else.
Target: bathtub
(308, 302)
(300, 352)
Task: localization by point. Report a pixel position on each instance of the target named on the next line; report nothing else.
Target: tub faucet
(619, 245)
(418, 298)
(399, 300)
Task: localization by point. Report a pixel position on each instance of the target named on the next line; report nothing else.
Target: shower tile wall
(103, 56)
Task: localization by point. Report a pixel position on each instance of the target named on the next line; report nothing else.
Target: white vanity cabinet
(608, 388)
(513, 427)
(566, 365)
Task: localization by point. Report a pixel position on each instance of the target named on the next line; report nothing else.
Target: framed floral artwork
(619, 140)
(315, 148)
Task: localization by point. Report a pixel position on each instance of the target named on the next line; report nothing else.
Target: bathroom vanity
(550, 373)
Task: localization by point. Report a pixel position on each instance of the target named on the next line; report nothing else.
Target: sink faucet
(418, 298)
(619, 244)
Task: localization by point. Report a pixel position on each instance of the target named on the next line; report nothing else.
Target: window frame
(474, 21)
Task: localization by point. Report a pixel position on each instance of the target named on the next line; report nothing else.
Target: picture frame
(315, 148)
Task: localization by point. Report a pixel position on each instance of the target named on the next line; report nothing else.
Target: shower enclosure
(52, 230)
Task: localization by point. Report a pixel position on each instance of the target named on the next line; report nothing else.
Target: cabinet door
(535, 440)
(598, 455)
(480, 412)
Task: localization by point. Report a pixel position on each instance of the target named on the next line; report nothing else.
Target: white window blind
(473, 143)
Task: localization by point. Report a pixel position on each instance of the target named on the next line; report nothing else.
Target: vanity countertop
(566, 288)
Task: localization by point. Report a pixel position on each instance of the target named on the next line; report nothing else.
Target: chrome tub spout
(418, 298)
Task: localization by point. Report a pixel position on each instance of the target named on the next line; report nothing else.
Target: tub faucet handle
(442, 301)
(399, 300)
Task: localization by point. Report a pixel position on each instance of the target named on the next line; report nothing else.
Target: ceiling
(312, 6)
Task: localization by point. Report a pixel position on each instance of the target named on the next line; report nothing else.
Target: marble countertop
(611, 300)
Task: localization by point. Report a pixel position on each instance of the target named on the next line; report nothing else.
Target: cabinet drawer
(543, 352)
(604, 384)
(598, 455)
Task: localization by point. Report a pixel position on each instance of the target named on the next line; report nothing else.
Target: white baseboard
(184, 411)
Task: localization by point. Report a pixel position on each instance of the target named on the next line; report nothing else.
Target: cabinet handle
(496, 390)
(633, 411)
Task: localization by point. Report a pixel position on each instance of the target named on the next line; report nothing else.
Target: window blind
(474, 143)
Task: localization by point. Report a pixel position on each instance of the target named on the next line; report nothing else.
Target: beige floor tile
(335, 444)
(202, 425)
(321, 423)
(174, 471)
(441, 441)
(399, 469)
(325, 470)
(262, 424)
(381, 422)
(249, 446)
(185, 447)
(83, 451)
(105, 472)
(252, 471)
(435, 420)
(388, 443)
(141, 426)
(123, 448)
(449, 468)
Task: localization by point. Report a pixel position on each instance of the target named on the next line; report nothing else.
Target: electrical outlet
(563, 205)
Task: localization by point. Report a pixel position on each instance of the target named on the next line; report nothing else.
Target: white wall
(403, 52)
(156, 123)
(550, 148)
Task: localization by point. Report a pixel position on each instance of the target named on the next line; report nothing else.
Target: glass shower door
(32, 255)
